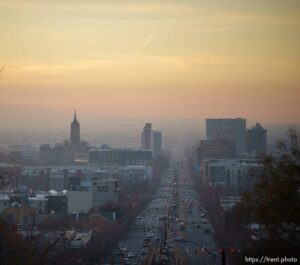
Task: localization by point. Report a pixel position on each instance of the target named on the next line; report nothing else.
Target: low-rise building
(119, 157)
(58, 179)
(28, 153)
(59, 155)
(80, 201)
(105, 191)
(57, 201)
(93, 194)
(19, 214)
(228, 202)
(235, 173)
(39, 203)
(135, 174)
(4, 202)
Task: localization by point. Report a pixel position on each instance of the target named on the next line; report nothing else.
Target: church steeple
(75, 134)
(75, 116)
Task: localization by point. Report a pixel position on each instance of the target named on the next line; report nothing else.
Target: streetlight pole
(223, 256)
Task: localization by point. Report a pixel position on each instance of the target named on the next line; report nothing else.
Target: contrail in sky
(145, 43)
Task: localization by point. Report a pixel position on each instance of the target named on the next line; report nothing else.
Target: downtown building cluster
(230, 156)
(77, 180)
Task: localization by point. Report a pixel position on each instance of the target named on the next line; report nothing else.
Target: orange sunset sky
(150, 59)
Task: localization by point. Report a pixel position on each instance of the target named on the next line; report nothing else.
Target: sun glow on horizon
(191, 59)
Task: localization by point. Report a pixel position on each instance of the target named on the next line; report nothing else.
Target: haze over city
(149, 132)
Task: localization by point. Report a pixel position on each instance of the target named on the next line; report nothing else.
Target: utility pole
(223, 256)
(165, 235)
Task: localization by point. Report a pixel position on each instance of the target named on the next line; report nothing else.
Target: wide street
(197, 232)
(173, 228)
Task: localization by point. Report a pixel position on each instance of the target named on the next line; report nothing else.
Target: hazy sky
(149, 59)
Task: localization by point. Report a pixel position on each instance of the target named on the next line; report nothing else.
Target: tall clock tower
(75, 134)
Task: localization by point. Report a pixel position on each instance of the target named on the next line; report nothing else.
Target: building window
(102, 188)
(25, 220)
(11, 218)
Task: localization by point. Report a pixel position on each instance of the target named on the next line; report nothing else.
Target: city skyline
(149, 132)
(149, 60)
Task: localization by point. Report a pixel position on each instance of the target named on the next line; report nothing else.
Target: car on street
(123, 249)
(130, 255)
(121, 252)
(150, 235)
(146, 242)
(126, 261)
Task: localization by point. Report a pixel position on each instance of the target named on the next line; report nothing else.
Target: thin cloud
(144, 45)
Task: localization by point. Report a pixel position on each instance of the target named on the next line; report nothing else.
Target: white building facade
(235, 173)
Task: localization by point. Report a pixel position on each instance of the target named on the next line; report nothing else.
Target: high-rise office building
(156, 142)
(146, 137)
(228, 129)
(256, 139)
(151, 140)
(75, 135)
